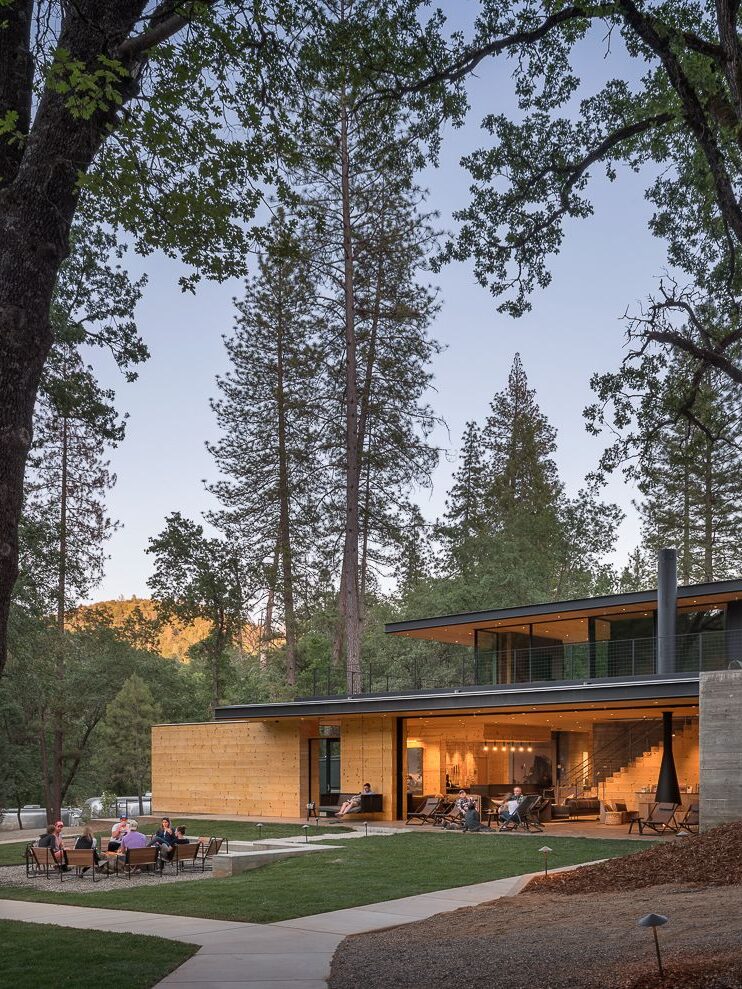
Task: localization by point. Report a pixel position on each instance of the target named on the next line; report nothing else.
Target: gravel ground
(549, 941)
(15, 875)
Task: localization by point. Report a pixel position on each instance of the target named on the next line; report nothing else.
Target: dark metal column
(667, 609)
(668, 791)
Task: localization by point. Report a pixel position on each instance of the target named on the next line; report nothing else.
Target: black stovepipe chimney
(668, 791)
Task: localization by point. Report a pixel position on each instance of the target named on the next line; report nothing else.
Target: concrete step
(234, 863)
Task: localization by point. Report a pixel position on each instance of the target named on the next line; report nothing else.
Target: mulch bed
(717, 971)
(590, 941)
(713, 859)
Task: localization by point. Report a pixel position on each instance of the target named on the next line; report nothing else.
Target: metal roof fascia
(563, 694)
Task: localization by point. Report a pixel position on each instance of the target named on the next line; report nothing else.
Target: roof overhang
(460, 628)
(500, 697)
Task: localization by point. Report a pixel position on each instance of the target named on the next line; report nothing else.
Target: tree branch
(659, 43)
(161, 28)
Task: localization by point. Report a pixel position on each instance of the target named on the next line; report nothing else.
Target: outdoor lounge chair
(425, 812)
(187, 853)
(691, 820)
(660, 819)
(80, 859)
(523, 817)
(138, 858)
(209, 848)
(39, 861)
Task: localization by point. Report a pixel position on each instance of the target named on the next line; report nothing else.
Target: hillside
(174, 640)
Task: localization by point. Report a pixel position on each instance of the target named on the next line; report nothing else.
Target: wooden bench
(371, 803)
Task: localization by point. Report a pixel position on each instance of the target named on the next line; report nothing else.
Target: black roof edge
(567, 692)
(577, 604)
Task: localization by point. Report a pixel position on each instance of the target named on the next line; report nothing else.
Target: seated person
(117, 833)
(164, 839)
(353, 805)
(132, 839)
(509, 806)
(52, 838)
(462, 801)
(472, 821)
(87, 840)
(180, 836)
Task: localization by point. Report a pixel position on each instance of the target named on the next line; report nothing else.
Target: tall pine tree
(271, 415)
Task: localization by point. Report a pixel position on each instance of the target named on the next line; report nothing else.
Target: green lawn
(363, 870)
(234, 830)
(248, 830)
(60, 956)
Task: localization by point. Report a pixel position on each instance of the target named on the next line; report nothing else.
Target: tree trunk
(350, 599)
(39, 189)
(686, 561)
(266, 635)
(25, 339)
(284, 497)
(364, 417)
(708, 515)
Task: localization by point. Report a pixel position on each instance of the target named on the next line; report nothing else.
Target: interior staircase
(643, 771)
(629, 761)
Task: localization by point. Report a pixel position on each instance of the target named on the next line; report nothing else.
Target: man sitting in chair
(353, 806)
(509, 806)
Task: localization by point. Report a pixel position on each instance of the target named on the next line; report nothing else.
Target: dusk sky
(608, 263)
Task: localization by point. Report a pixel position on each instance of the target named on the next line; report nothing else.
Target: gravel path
(15, 875)
(580, 942)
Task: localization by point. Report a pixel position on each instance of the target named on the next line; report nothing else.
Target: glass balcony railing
(459, 667)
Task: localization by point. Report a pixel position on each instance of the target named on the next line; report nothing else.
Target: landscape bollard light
(545, 851)
(305, 829)
(655, 920)
(260, 830)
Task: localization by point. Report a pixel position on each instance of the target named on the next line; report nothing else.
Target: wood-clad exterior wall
(262, 768)
(232, 767)
(368, 755)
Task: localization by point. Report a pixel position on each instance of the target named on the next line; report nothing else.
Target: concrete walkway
(291, 954)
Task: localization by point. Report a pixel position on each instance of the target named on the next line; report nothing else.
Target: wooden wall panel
(236, 767)
(367, 755)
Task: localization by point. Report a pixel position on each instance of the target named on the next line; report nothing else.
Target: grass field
(363, 870)
(62, 956)
(12, 854)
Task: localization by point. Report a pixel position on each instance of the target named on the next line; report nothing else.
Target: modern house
(566, 697)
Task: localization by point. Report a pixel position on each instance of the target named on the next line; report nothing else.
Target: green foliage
(87, 91)
(200, 578)
(108, 803)
(126, 734)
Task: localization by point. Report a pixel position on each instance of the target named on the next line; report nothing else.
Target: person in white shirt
(117, 833)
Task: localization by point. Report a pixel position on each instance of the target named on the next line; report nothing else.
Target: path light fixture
(260, 830)
(545, 851)
(305, 829)
(655, 920)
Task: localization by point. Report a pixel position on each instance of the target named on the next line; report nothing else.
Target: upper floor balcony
(453, 666)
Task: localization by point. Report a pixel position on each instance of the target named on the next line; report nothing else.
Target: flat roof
(655, 689)
(459, 628)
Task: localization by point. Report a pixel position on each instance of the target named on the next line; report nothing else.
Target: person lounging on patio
(353, 805)
(509, 807)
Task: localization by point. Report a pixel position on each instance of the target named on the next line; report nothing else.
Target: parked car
(93, 806)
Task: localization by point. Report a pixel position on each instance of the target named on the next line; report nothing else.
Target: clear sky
(607, 263)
